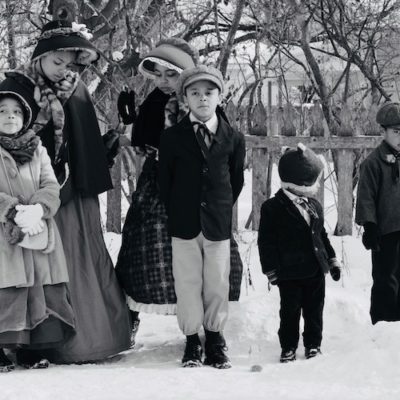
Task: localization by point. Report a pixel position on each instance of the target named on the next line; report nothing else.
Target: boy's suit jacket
(287, 244)
(199, 187)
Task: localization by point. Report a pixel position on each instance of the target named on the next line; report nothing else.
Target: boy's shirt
(296, 201)
(211, 124)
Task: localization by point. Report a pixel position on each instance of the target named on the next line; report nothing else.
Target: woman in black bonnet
(68, 127)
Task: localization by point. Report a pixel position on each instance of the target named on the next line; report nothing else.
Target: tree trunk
(11, 57)
(223, 58)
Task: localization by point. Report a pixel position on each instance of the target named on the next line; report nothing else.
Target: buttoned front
(287, 244)
(199, 186)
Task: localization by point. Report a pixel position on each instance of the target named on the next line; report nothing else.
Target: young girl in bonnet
(69, 130)
(35, 312)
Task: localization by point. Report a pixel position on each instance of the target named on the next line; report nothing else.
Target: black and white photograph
(199, 199)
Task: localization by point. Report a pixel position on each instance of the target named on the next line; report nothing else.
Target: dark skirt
(35, 317)
(144, 266)
(102, 319)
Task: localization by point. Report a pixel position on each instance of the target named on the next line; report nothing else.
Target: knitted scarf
(20, 146)
(50, 97)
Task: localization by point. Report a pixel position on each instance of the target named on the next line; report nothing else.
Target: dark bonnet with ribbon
(23, 144)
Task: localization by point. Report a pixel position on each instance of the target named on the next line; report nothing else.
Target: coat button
(316, 248)
(203, 203)
(205, 170)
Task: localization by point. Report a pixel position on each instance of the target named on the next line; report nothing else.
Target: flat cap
(389, 115)
(199, 73)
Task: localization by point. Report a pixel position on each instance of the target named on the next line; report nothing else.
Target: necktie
(303, 202)
(205, 133)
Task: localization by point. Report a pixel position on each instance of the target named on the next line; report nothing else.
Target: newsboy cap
(388, 115)
(199, 73)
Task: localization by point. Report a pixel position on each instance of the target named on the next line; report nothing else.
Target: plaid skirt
(144, 265)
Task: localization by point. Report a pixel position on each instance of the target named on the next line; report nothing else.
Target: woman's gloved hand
(126, 106)
(30, 218)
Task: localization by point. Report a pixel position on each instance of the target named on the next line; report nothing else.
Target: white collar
(294, 197)
(211, 124)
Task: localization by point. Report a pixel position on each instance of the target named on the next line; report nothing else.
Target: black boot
(288, 355)
(313, 351)
(215, 351)
(6, 365)
(31, 359)
(193, 352)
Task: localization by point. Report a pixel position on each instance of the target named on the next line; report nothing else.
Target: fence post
(259, 183)
(260, 164)
(345, 165)
(231, 113)
(317, 129)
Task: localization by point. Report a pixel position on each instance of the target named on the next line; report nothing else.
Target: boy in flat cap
(295, 251)
(378, 211)
(201, 162)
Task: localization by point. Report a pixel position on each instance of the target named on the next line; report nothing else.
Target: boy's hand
(370, 236)
(335, 270)
(28, 216)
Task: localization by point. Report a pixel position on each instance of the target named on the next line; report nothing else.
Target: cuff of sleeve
(272, 276)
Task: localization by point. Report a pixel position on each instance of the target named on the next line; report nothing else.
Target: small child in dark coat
(378, 211)
(295, 251)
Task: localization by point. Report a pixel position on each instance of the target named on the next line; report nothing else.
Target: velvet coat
(200, 188)
(287, 244)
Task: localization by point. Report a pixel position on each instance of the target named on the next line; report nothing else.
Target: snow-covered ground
(359, 361)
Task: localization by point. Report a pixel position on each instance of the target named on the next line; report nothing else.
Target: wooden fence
(266, 132)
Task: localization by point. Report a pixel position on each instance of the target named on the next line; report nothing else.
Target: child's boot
(311, 352)
(288, 355)
(193, 352)
(215, 349)
(6, 365)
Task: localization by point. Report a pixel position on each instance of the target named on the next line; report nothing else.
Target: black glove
(370, 236)
(335, 268)
(126, 106)
(111, 144)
